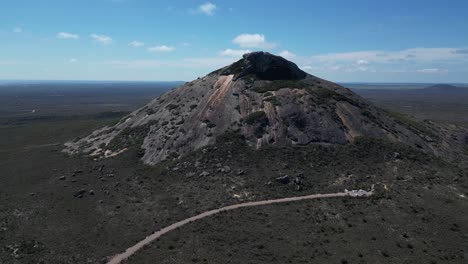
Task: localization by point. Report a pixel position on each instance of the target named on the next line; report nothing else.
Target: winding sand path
(133, 249)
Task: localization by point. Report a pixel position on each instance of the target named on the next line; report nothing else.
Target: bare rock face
(265, 67)
(270, 101)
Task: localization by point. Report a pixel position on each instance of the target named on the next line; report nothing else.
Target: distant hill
(444, 88)
(433, 93)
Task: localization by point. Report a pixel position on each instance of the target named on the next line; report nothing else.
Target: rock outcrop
(270, 101)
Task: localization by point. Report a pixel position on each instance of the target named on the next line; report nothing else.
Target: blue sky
(346, 41)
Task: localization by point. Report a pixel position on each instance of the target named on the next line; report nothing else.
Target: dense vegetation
(130, 137)
(415, 125)
(265, 86)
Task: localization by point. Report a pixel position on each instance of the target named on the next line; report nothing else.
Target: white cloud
(162, 48)
(233, 52)
(362, 62)
(136, 44)
(407, 55)
(207, 8)
(433, 70)
(72, 60)
(18, 30)
(352, 69)
(103, 39)
(461, 51)
(252, 41)
(413, 60)
(185, 44)
(287, 54)
(66, 35)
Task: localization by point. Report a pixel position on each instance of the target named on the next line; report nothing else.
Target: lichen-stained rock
(270, 101)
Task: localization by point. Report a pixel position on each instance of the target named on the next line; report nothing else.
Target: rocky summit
(268, 100)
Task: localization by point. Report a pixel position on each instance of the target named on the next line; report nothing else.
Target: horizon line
(169, 81)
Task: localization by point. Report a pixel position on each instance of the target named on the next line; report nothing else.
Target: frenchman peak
(269, 101)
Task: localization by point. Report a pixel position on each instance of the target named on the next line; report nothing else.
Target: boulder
(240, 172)
(80, 193)
(204, 173)
(285, 179)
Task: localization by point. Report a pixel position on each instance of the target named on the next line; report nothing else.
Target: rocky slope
(268, 100)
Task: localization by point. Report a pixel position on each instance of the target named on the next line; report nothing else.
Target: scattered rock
(80, 193)
(428, 138)
(298, 181)
(240, 172)
(204, 173)
(91, 192)
(226, 169)
(283, 179)
(62, 178)
(189, 174)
